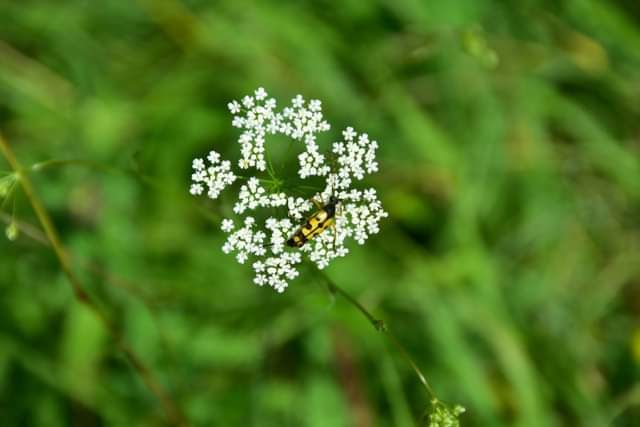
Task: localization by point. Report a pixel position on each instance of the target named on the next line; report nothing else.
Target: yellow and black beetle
(316, 223)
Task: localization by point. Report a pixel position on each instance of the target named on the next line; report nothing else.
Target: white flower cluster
(358, 211)
(257, 117)
(253, 195)
(216, 177)
(357, 157)
(275, 265)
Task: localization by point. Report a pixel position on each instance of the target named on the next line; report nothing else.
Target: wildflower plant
(265, 214)
(268, 210)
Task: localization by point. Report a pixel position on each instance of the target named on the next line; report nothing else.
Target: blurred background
(510, 164)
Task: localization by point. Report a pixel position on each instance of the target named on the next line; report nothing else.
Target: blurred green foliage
(510, 164)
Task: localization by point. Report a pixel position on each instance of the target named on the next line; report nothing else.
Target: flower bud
(12, 231)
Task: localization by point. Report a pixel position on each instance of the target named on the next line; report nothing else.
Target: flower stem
(174, 415)
(36, 167)
(381, 326)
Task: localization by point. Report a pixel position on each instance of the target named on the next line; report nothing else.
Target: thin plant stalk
(381, 326)
(171, 410)
(63, 162)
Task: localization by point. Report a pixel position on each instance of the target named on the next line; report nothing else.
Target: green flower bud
(12, 231)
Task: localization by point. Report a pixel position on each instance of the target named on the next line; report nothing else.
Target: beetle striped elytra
(322, 219)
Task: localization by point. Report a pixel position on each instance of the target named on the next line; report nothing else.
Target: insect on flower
(273, 229)
(322, 219)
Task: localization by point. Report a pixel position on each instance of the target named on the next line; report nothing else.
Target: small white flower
(216, 177)
(260, 94)
(298, 101)
(315, 105)
(270, 103)
(247, 101)
(348, 134)
(196, 189)
(258, 266)
(198, 164)
(227, 225)
(234, 107)
(237, 122)
(213, 157)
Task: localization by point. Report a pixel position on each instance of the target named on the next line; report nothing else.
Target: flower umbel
(215, 177)
(264, 241)
(442, 415)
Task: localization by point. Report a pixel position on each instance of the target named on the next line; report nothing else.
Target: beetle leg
(316, 203)
(335, 235)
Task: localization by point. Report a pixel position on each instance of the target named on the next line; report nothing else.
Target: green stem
(270, 170)
(381, 326)
(171, 409)
(36, 167)
(263, 180)
(9, 194)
